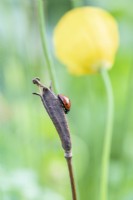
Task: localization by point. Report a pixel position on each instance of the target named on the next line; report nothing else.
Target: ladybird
(65, 101)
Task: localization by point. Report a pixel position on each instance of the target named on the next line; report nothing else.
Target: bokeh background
(32, 164)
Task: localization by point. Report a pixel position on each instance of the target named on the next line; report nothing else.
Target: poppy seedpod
(86, 39)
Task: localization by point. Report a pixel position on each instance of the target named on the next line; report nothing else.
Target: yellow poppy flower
(86, 39)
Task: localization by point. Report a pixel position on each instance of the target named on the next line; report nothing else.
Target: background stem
(71, 175)
(48, 60)
(76, 3)
(108, 135)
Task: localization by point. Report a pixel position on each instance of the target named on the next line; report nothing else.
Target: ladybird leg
(67, 111)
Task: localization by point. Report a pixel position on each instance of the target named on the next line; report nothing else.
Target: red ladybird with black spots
(65, 101)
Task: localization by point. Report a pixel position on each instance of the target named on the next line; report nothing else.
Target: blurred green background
(32, 164)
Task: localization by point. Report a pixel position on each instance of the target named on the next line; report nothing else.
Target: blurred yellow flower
(86, 39)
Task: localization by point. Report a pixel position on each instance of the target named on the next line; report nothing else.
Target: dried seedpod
(57, 106)
(56, 112)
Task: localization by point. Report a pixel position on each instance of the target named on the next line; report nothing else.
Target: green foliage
(32, 166)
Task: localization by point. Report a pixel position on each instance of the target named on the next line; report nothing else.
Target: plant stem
(71, 175)
(76, 3)
(108, 135)
(44, 43)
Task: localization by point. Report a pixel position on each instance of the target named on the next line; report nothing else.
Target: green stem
(76, 3)
(73, 3)
(108, 135)
(44, 44)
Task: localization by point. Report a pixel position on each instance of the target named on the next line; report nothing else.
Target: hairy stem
(71, 175)
(107, 136)
(44, 44)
